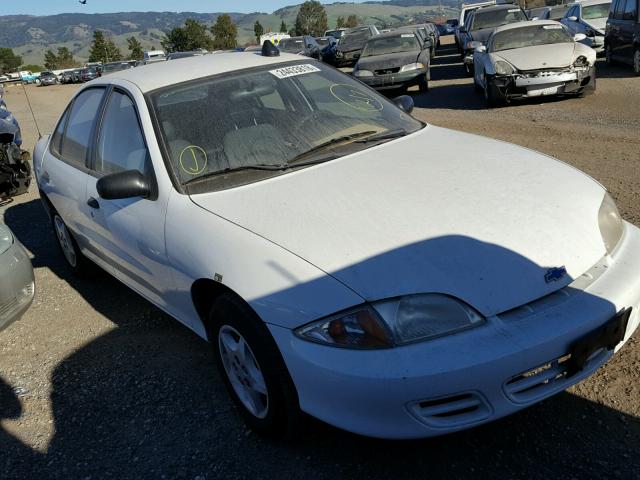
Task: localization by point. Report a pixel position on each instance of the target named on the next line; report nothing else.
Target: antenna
(32, 114)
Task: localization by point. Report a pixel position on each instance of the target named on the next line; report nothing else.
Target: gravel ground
(97, 383)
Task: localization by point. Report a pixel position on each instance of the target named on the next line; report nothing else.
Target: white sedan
(533, 59)
(338, 257)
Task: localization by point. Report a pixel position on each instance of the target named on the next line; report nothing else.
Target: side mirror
(127, 184)
(572, 18)
(578, 37)
(462, 30)
(481, 49)
(404, 103)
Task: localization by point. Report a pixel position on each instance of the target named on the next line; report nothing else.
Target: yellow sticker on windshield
(193, 160)
(356, 98)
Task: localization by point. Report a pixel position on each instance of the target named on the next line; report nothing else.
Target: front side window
(630, 11)
(56, 138)
(75, 143)
(601, 10)
(121, 144)
(231, 129)
(406, 42)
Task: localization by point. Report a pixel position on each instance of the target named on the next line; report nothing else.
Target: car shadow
(144, 401)
(615, 70)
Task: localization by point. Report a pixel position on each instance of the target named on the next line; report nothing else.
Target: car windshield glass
(355, 37)
(291, 45)
(530, 36)
(405, 42)
(495, 18)
(601, 10)
(323, 42)
(556, 13)
(227, 130)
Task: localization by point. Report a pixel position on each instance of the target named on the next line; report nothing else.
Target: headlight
(363, 73)
(412, 66)
(6, 239)
(503, 68)
(610, 223)
(581, 61)
(394, 322)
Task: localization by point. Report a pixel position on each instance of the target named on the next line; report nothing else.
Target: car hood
(597, 23)
(540, 56)
(391, 60)
(484, 224)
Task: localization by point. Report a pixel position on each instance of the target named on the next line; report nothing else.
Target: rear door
(127, 235)
(64, 171)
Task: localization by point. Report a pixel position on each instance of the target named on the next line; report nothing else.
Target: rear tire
(80, 265)
(252, 369)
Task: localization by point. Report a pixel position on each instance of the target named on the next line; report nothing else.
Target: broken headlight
(581, 61)
(610, 223)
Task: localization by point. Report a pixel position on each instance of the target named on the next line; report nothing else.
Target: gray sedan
(17, 284)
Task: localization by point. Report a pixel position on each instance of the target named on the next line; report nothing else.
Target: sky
(49, 7)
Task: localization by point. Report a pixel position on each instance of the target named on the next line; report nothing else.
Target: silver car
(17, 284)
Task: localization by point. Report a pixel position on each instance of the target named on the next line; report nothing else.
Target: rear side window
(120, 143)
(56, 138)
(77, 137)
(619, 9)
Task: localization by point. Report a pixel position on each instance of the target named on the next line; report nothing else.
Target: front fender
(282, 288)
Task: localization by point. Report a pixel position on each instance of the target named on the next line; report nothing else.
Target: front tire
(423, 83)
(636, 61)
(252, 369)
(608, 55)
(492, 97)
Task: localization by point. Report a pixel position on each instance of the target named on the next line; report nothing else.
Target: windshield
(556, 13)
(530, 37)
(268, 117)
(495, 18)
(291, 45)
(601, 10)
(355, 37)
(406, 42)
(323, 42)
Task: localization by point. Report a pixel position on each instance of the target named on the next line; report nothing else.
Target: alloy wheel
(243, 371)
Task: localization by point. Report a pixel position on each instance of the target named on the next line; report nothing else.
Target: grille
(456, 410)
(546, 379)
(546, 72)
(387, 71)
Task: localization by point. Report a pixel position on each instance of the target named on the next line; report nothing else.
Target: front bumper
(17, 285)
(520, 85)
(473, 377)
(596, 42)
(394, 80)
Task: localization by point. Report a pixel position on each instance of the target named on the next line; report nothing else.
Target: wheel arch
(204, 293)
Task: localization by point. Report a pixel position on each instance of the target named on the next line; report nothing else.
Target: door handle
(93, 203)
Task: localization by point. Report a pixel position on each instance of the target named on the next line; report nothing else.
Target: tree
(352, 21)
(8, 60)
(103, 49)
(192, 36)
(65, 58)
(311, 19)
(32, 67)
(50, 60)
(258, 30)
(135, 49)
(224, 32)
(340, 22)
(283, 27)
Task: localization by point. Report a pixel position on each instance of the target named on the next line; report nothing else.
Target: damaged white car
(533, 59)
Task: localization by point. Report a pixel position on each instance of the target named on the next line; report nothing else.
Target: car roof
(162, 74)
(525, 23)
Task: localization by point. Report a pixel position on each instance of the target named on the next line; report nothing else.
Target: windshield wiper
(387, 135)
(329, 143)
(268, 167)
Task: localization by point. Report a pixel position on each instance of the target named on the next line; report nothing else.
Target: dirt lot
(97, 383)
